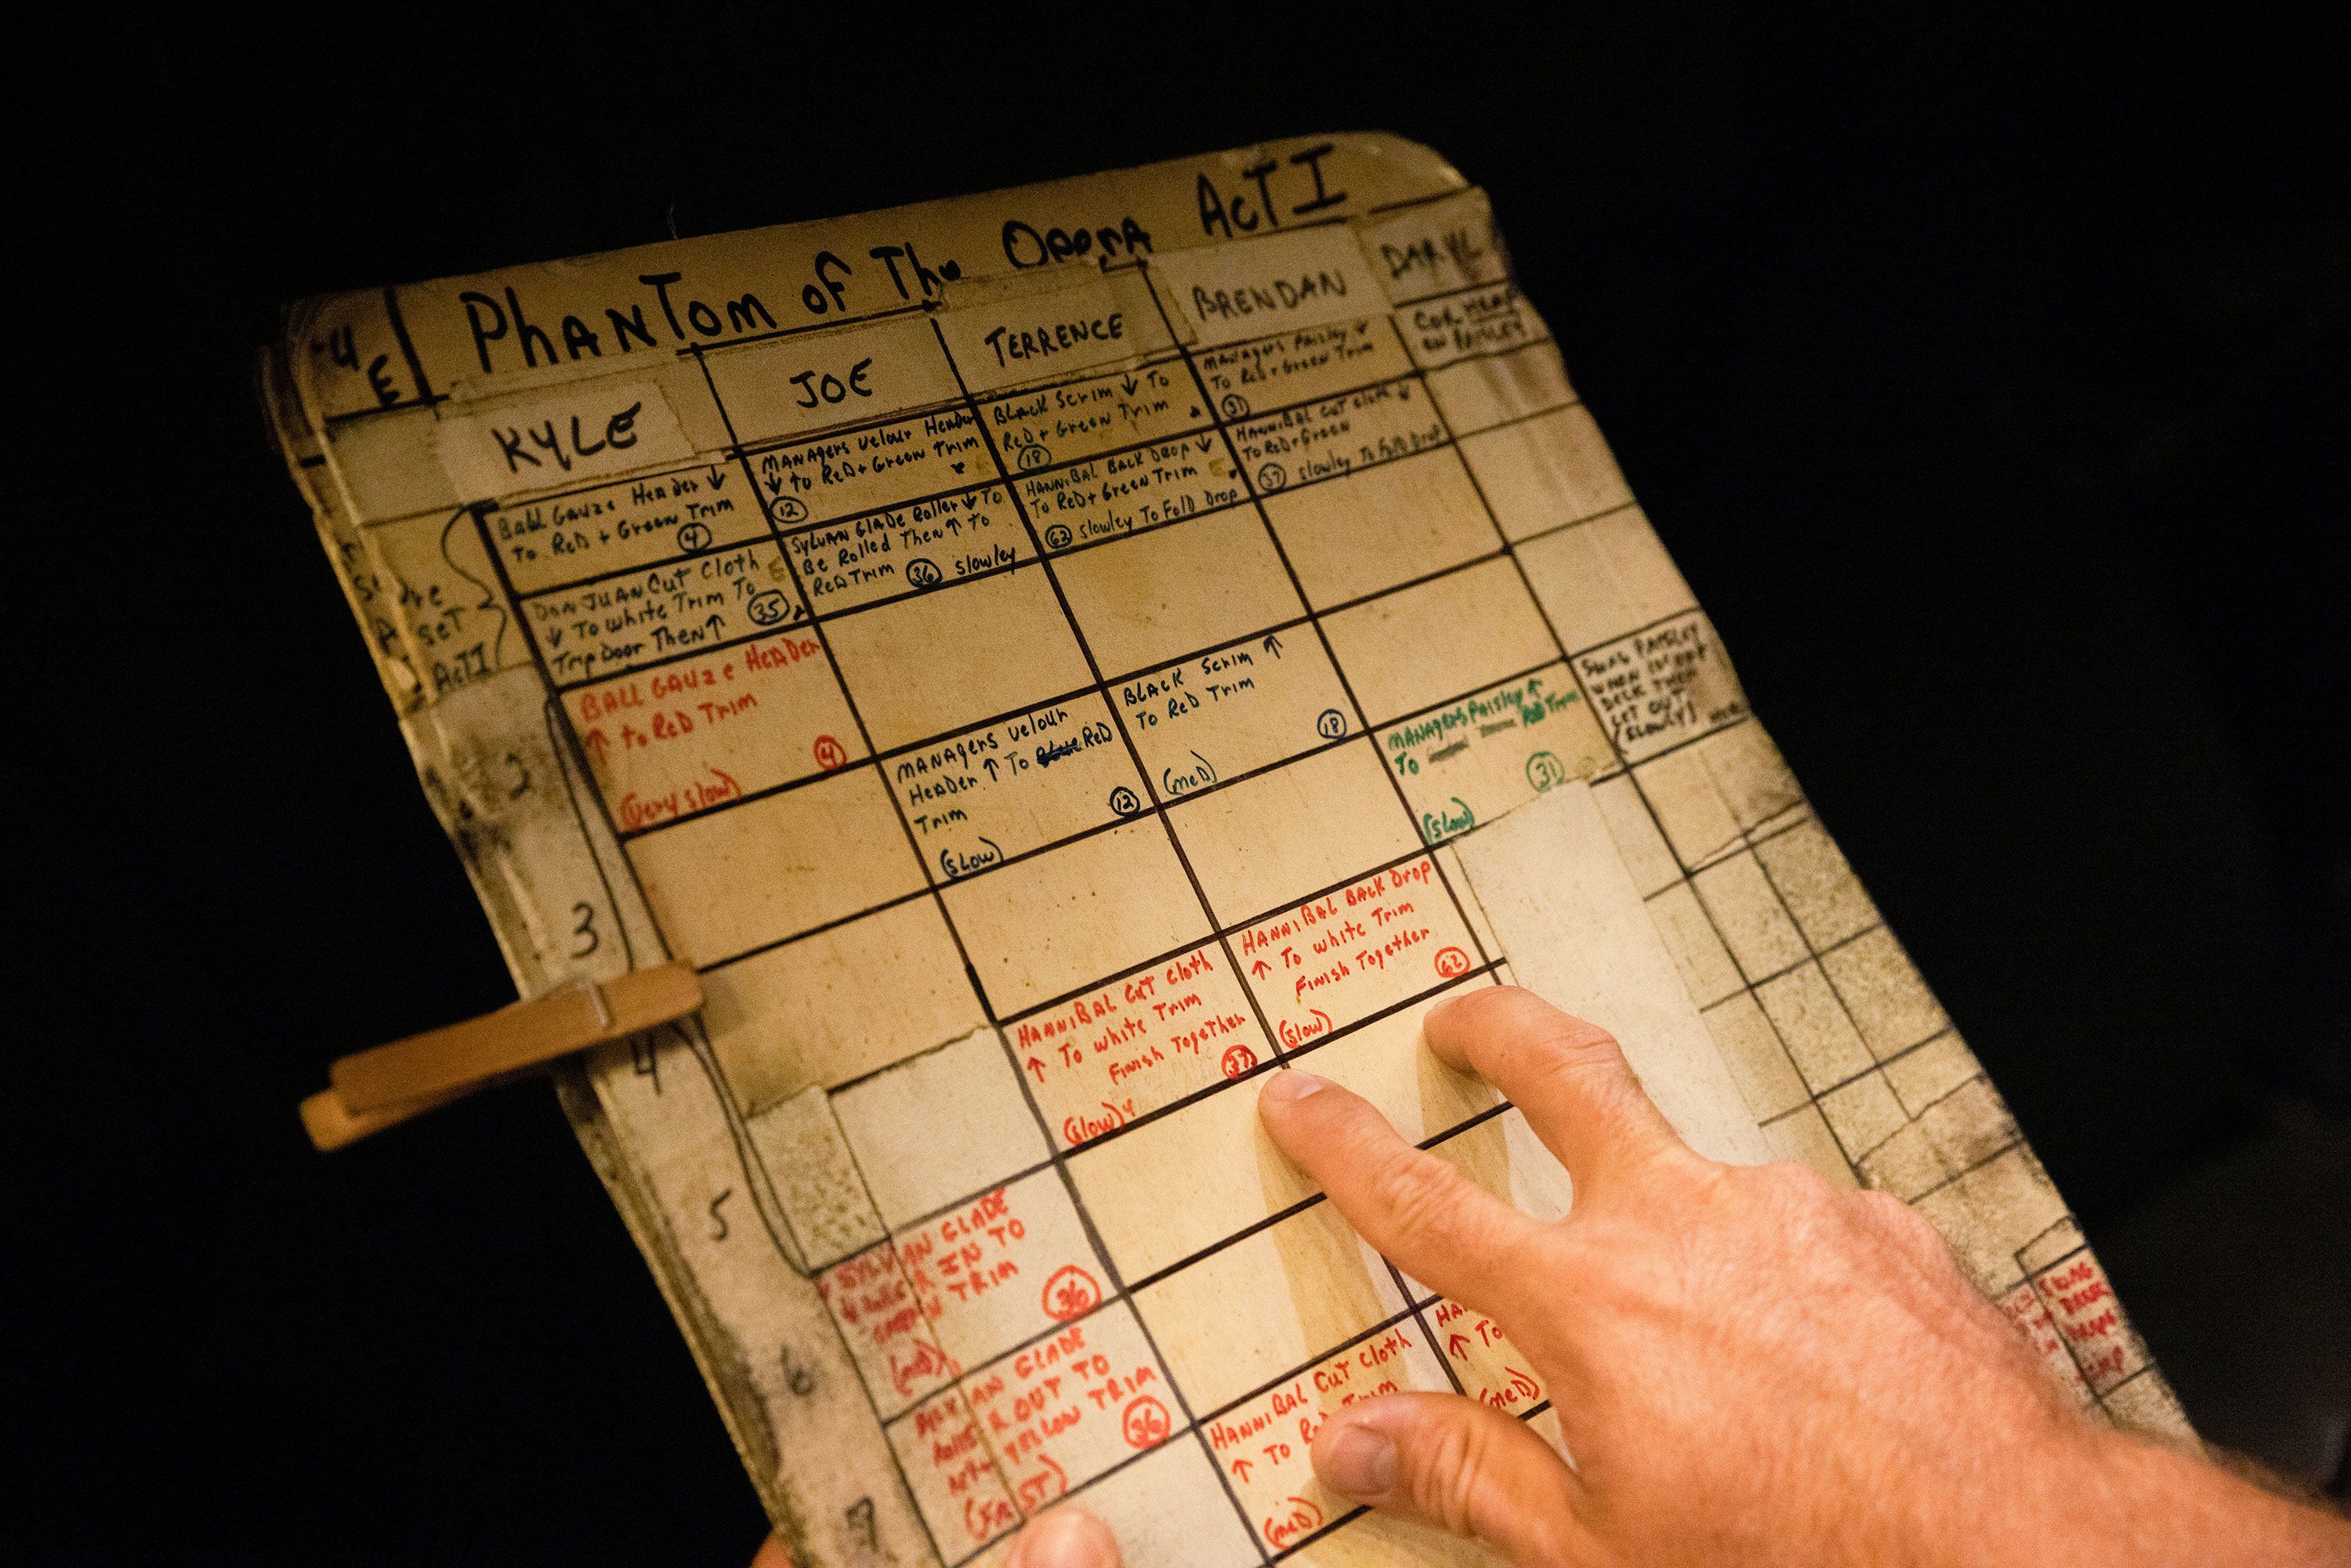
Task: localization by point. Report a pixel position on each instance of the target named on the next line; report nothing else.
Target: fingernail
(1066, 1537)
(1291, 1084)
(1357, 1462)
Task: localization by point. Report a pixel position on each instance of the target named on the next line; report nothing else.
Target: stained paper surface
(1050, 658)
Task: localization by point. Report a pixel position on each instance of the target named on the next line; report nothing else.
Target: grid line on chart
(721, 1090)
(1257, 499)
(1426, 846)
(1813, 954)
(996, 1461)
(1336, 606)
(1302, 1205)
(783, 528)
(966, 1199)
(1032, 1009)
(909, 749)
(1630, 767)
(1159, 809)
(807, 615)
(721, 457)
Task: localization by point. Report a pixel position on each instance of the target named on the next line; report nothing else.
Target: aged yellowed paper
(1048, 658)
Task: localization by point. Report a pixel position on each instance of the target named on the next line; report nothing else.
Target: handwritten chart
(1050, 659)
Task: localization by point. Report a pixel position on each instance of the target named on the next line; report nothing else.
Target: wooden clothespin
(372, 1090)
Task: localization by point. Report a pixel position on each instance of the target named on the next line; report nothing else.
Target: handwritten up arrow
(1260, 969)
(1038, 1068)
(1457, 1346)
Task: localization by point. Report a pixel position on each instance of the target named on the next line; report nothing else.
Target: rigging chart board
(1050, 658)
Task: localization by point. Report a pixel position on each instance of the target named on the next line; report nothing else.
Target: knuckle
(1417, 1194)
(1542, 1031)
(1451, 1471)
(1798, 1194)
(1582, 1041)
(1886, 1208)
(1896, 1222)
(1798, 1184)
(1890, 1214)
(1916, 1231)
(1568, 1054)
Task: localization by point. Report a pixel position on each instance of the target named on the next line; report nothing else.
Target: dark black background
(1983, 375)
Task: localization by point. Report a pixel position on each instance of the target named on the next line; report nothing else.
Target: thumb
(1454, 1463)
(1065, 1538)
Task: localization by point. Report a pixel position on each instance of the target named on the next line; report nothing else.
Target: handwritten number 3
(585, 930)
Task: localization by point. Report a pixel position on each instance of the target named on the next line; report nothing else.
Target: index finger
(1416, 1212)
(1569, 1076)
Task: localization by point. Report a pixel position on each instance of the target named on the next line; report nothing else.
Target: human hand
(1749, 1364)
